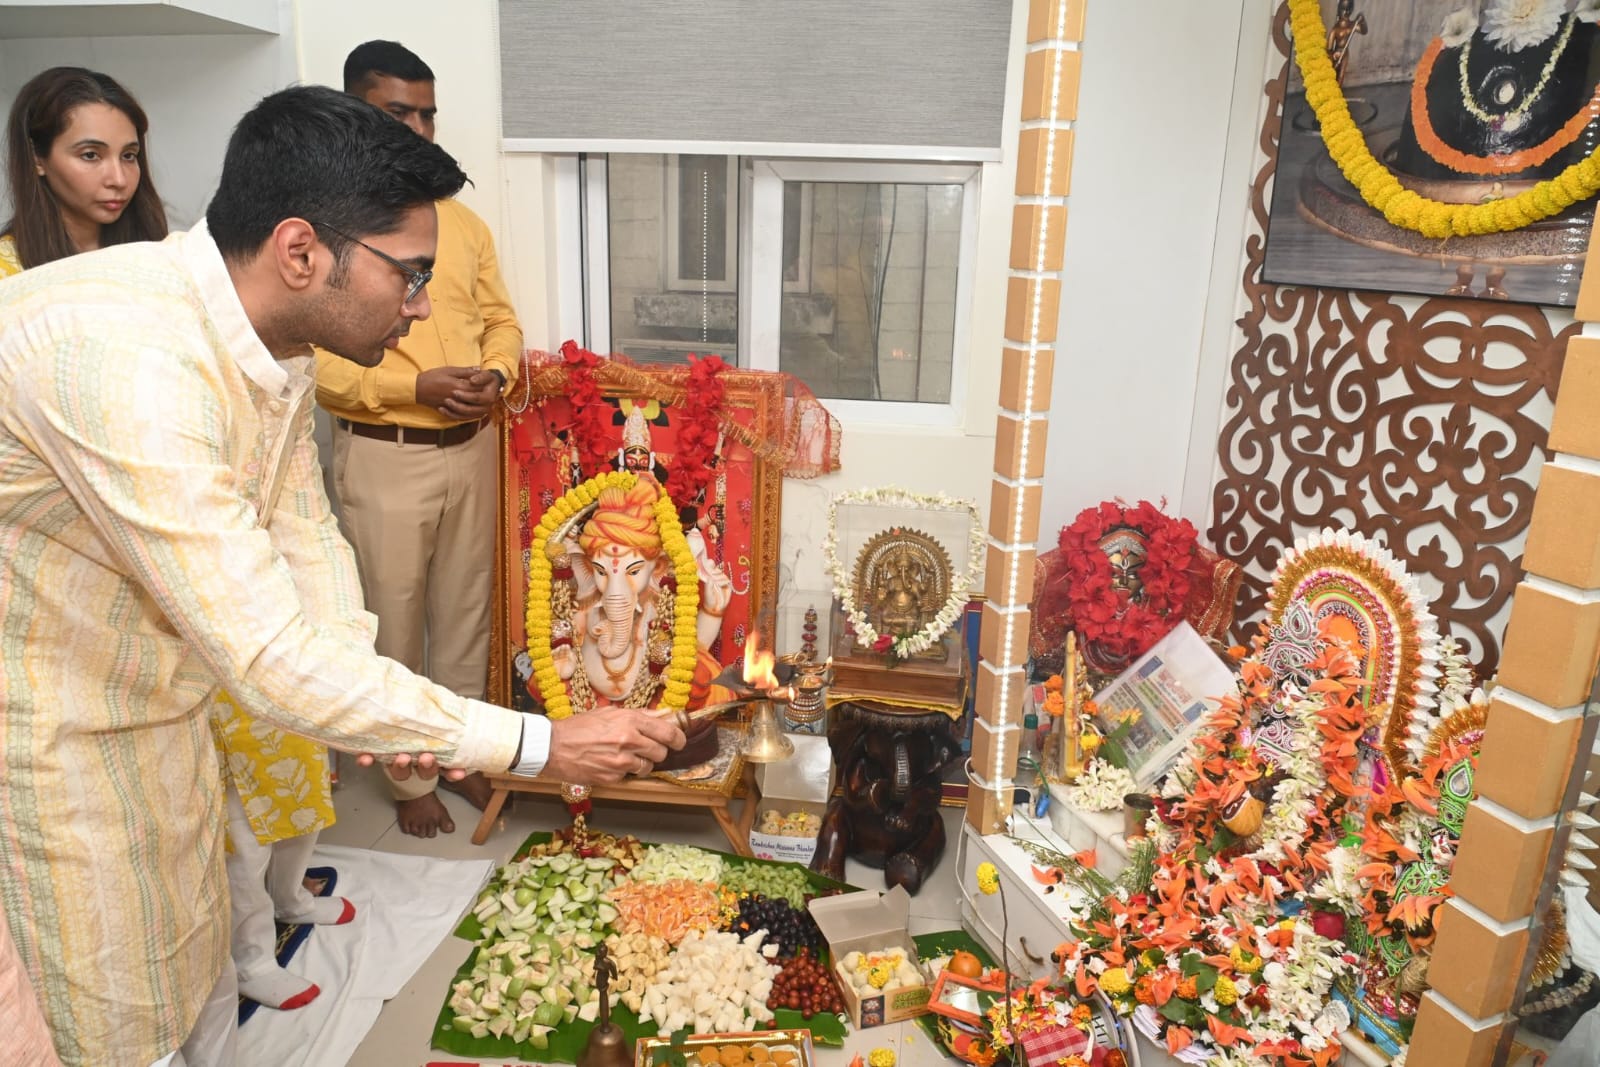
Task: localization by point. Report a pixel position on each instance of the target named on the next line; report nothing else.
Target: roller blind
(912, 75)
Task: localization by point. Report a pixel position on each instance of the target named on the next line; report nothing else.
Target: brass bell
(608, 1046)
(766, 741)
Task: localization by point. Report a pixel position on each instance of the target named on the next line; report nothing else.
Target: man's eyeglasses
(419, 278)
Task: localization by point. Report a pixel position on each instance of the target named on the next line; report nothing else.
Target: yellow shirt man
(417, 482)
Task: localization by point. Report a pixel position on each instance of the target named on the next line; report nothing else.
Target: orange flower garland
(1495, 165)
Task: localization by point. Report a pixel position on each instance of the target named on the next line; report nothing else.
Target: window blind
(917, 77)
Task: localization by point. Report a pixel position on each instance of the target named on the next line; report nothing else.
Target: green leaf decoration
(1182, 1012)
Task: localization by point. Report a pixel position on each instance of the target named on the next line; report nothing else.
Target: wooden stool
(637, 790)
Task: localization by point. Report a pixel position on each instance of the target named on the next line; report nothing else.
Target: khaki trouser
(421, 519)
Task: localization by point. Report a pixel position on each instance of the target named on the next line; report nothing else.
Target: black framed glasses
(418, 278)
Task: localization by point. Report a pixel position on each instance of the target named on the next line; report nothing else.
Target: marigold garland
(680, 668)
(1382, 190)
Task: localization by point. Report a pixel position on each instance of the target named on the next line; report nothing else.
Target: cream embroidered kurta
(143, 427)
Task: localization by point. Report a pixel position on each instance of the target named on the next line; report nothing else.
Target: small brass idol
(902, 580)
(608, 1046)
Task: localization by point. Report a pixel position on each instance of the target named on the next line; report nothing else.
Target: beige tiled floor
(400, 1036)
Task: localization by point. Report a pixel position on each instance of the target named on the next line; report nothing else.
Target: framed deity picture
(561, 431)
(1463, 104)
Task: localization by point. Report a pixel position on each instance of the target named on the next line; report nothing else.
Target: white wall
(193, 88)
(1153, 140)
(458, 41)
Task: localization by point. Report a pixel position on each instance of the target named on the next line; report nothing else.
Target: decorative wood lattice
(1419, 422)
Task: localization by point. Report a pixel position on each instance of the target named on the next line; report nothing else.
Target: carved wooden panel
(1420, 422)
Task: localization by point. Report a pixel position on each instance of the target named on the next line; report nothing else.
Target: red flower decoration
(591, 419)
(1119, 627)
(698, 430)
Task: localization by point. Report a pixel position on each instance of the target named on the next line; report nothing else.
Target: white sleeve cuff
(535, 745)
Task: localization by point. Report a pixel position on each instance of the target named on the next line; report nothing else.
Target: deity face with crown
(636, 455)
(622, 621)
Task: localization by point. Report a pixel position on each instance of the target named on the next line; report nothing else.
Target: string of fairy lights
(999, 775)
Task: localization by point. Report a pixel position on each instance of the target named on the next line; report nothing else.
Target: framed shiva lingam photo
(903, 567)
(1443, 150)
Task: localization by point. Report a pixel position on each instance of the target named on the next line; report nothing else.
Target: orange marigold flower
(1236, 652)
(1144, 990)
(1189, 988)
(1054, 683)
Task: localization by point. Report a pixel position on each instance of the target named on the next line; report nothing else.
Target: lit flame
(758, 665)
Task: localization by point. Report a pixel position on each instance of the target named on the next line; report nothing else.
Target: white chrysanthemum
(1512, 25)
(1458, 28)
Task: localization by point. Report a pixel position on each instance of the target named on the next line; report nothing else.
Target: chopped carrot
(668, 910)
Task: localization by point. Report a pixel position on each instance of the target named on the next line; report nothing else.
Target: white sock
(276, 987)
(323, 911)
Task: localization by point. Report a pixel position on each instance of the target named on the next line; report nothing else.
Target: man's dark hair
(382, 59)
(317, 154)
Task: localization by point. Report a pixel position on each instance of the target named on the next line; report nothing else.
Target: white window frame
(596, 209)
(761, 292)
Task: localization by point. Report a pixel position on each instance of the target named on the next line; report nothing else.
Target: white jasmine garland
(960, 584)
(1100, 787)
(1286, 822)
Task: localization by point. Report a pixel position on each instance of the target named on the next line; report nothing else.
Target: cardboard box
(802, 783)
(860, 922)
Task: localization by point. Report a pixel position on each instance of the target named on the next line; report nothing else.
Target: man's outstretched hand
(608, 744)
(405, 765)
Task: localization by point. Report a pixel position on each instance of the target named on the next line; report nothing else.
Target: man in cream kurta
(146, 426)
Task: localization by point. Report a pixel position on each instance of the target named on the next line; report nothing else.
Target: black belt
(412, 435)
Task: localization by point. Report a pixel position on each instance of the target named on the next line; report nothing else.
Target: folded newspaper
(1172, 686)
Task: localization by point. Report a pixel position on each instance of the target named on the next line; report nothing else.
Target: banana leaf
(567, 1041)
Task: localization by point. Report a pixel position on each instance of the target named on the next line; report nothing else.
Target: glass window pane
(702, 219)
(673, 225)
(877, 319)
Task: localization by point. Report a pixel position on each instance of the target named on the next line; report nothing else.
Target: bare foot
(475, 787)
(424, 816)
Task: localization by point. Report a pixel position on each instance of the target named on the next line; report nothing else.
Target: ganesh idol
(613, 618)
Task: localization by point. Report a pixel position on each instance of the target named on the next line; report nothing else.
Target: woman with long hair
(78, 168)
